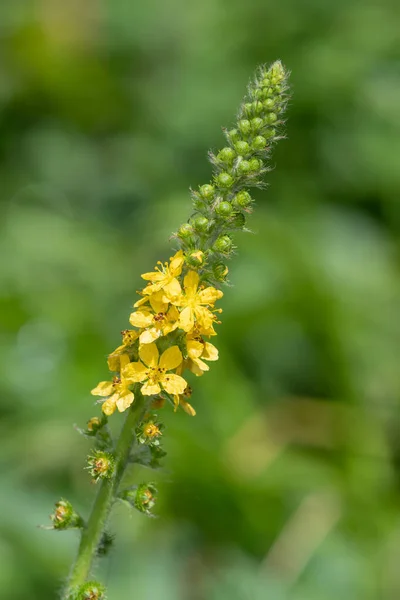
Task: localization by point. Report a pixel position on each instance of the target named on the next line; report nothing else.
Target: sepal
(141, 497)
(65, 517)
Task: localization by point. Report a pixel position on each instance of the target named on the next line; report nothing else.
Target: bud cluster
(223, 205)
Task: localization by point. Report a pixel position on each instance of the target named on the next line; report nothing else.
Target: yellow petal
(124, 360)
(172, 289)
(194, 349)
(186, 319)
(175, 266)
(141, 302)
(171, 358)
(108, 407)
(191, 282)
(149, 354)
(209, 296)
(113, 361)
(105, 388)
(135, 372)
(210, 352)
(173, 314)
(173, 384)
(150, 389)
(203, 316)
(149, 336)
(141, 319)
(201, 364)
(188, 408)
(168, 327)
(196, 369)
(157, 303)
(153, 276)
(124, 401)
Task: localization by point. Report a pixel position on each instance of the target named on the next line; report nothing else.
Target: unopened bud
(207, 191)
(227, 155)
(224, 180)
(224, 209)
(242, 200)
(92, 590)
(200, 223)
(185, 231)
(242, 148)
(257, 124)
(195, 258)
(244, 126)
(223, 244)
(259, 143)
(220, 271)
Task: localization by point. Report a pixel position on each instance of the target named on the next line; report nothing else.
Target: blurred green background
(287, 484)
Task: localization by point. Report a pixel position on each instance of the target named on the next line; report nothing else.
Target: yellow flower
(165, 278)
(129, 336)
(198, 351)
(156, 325)
(195, 303)
(153, 370)
(180, 400)
(116, 393)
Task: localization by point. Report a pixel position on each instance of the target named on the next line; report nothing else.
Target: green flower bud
(257, 124)
(257, 107)
(255, 164)
(92, 590)
(265, 82)
(93, 425)
(238, 220)
(268, 92)
(207, 191)
(244, 126)
(242, 148)
(242, 200)
(271, 118)
(259, 143)
(64, 516)
(224, 180)
(224, 209)
(101, 465)
(200, 223)
(220, 271)
(257, 94)
(185, 231)
(227, 155)
(195, 258)
(270, 133)
(223, 244)
(269, 104)
(248, 108)
(233, 135)
(244, 167)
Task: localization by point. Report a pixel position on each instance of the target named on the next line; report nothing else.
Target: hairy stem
(92, 533)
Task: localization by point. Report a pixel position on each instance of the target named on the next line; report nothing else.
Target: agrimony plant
(172, 323)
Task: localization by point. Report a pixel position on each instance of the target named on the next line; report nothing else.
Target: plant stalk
(91, 534)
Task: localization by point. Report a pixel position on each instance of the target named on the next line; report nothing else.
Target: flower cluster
(176, 314)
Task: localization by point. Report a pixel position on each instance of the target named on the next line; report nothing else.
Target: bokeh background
(287, 483)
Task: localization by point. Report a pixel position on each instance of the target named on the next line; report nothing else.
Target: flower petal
(104, 388)
(210, 352)
(108, 407)
(209, 296)
(157, 303)
(172, 289)
(194, 349)
(125, 400)
(149, 336)
(173, 384)
(171, 358)
(141, 318)
(135, 372)
(186, 319)
(191, 283)
(149, 354)
(194, 367)
(149, 389)
(175, 266)
(203, 316)
(153, 276)
(187, 407)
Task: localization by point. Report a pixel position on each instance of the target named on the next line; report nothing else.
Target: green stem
(92, 533)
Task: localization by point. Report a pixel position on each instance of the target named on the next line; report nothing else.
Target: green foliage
(107, 112)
